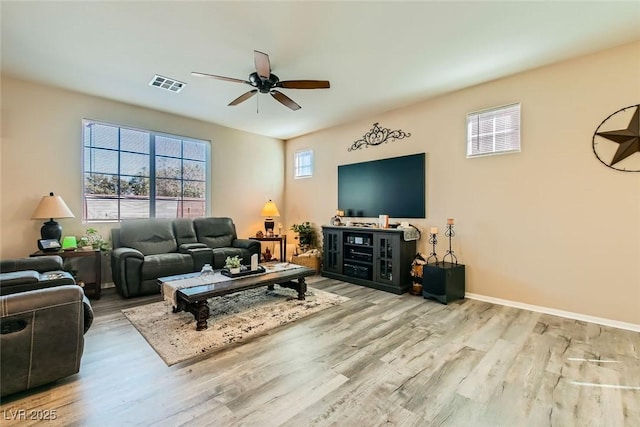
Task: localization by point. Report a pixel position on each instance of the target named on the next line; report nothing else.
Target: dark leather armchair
(28, 274)
(43, 329)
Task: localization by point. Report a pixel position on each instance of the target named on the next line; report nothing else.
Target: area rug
(234, 318)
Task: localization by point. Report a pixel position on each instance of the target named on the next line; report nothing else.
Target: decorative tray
(226, 272)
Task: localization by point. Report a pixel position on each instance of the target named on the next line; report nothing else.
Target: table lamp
(51, 207)
(269, 211)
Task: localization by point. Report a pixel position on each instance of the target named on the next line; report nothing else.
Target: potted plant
(306, 235)
(233, 263)
(94, 239)
(308, 254)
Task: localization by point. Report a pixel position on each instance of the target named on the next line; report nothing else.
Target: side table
(92, 290)
(443, 281)
(281, 239)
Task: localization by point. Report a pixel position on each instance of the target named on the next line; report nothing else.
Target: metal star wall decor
(628, 141)
(377, 136)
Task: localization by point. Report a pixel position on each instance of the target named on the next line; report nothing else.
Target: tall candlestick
(433, 239)
(449, 232)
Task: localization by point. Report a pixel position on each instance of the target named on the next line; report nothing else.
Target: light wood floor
(378, 359)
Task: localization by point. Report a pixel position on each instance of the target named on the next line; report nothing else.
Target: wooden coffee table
(194, 299)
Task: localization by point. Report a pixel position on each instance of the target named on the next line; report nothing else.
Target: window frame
(152, 135)
(495, 113)
(297, 168)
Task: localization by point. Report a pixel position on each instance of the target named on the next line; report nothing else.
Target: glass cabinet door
(333, 251)
(385, 265)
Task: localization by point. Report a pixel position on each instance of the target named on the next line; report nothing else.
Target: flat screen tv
(394, 187)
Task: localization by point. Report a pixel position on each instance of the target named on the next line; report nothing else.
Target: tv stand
(379, 258)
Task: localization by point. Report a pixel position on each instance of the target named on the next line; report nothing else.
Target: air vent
(167, 83)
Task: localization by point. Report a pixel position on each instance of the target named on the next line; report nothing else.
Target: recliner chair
(42, 330)
(28, 274)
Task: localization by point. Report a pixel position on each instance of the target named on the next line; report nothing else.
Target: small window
(303, 161)
(494, 131)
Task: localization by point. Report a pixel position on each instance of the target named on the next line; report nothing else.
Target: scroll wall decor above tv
(377, 136)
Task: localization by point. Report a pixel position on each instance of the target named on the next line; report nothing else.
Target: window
(303, 164)
(132, 173)
(494, 131)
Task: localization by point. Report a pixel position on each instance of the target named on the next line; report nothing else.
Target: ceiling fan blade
(243, 97)
(304, 84)
(263, 66)
(285, 100)
(228, 79)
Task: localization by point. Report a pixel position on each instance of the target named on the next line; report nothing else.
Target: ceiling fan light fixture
(167, 83)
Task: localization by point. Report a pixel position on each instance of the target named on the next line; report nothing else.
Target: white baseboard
(553, 311)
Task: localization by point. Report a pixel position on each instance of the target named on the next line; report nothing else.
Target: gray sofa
(43, 328)
(144, 250)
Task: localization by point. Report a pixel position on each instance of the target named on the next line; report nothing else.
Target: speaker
(443, 282)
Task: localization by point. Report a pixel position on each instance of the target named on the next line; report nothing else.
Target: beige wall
(550, 226)
(42, 146)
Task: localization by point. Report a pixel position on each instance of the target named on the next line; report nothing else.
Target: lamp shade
(52, 207)
(270, 209)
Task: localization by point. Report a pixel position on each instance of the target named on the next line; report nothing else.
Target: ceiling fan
(265, 82)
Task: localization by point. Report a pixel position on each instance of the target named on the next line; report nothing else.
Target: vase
(234, 270)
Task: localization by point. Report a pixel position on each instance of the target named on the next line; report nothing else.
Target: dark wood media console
(379, 258)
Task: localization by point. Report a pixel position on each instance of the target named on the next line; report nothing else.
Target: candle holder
(450, 233)
(433, 239)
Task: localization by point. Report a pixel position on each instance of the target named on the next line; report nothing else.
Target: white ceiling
(377, 55)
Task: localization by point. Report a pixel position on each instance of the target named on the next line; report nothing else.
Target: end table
(281, 239)
(92, 290)
(443, 281)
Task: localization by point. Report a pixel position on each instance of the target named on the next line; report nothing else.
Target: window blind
(494, 131)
